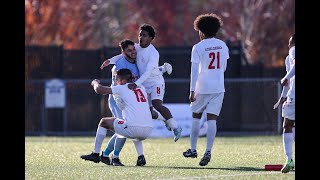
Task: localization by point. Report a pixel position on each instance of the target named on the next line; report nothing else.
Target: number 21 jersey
(212, 55)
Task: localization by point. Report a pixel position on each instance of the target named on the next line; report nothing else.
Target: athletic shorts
(155, 92)
(289, 110)
(211, 103)
(133, 132)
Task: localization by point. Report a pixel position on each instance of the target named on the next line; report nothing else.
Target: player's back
(212, 55)
(136, 108)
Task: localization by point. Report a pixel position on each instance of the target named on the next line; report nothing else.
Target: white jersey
(148, 65)
(136, 108)
(212, 55)
(292, 85)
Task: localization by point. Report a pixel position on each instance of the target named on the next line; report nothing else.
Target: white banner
(55, 93)
(182, 114)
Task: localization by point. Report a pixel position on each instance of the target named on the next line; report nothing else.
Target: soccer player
(117, 141)
(150, 76)
(136, 122)
(208, 64)
(288, 107)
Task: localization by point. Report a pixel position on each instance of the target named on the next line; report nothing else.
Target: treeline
(261, 27)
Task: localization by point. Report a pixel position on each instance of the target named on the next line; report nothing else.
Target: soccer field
(232, 158)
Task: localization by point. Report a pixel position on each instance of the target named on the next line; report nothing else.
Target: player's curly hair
(208, 24)
(149, 29)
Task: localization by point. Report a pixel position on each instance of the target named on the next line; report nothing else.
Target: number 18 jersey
(136, 108)
(212, 55)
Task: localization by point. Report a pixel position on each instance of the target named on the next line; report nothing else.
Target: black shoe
(141, 161)
(189, 153)
(91, 157)
(105, 160)
(205, 159)
(116, 162)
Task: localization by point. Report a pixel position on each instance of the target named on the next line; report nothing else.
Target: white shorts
(133, 132)
(289, 110)
(155, 92)
(211, 103)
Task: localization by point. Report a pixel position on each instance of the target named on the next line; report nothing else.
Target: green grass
(232, 158)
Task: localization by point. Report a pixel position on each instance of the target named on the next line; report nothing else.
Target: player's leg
(141, 161)
(288, 112)
(116, 143)
(105, 123)
(158, 116)
(287, 137)
(157, 94)
(194, 134)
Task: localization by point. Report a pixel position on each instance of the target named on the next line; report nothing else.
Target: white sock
(100, 135)
(294, 133)
(194, 134)
(287, 144)
(211, 133)
(139, 147)
(172, 123)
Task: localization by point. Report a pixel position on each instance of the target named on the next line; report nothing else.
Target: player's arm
(193, 81)
(151, 65)
(194, 72)
(112, 60)
(285, 89)
(290, 74)
(227, 57)
(99, 89)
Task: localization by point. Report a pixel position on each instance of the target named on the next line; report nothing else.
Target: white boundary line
(228, 175)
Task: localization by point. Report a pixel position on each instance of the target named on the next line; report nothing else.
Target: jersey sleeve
(117, 90)
(114, 59)
(195, 57)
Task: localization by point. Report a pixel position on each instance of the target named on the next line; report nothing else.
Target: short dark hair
(125, 74)
(149, 29)
(125, 43)
(208, 24)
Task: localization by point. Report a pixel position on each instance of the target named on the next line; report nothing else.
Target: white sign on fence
(55, 93)
(183, 115)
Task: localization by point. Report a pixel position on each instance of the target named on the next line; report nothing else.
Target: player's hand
(192, 97)
(132, 86)
(105, 64)
(95, 81)
(280, 101)
(284, 82)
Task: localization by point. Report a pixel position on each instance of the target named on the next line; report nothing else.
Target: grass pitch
(232, 158)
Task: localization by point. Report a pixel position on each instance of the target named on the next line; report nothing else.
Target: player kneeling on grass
(137, 121)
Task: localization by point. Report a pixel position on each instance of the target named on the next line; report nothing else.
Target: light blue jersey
(121, 64)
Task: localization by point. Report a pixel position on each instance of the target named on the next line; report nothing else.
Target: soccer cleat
(205, 159)
(177, 133)
(105, 160)
(167, 68)
(94, 157)
(289, 166)
(116, 162)
(141, 161)
(189, 153)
